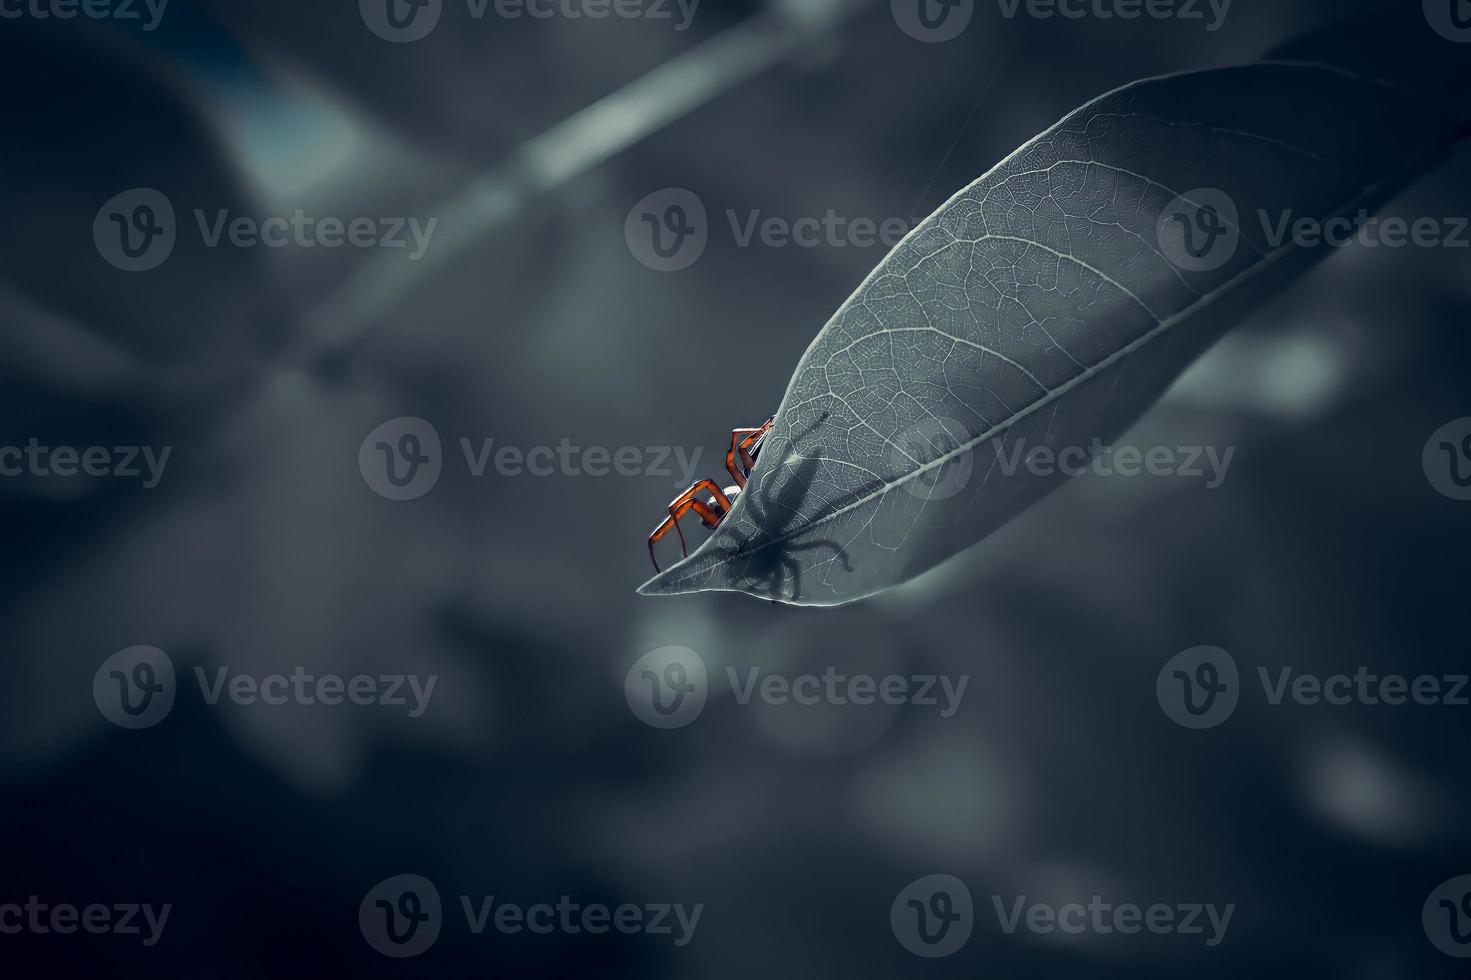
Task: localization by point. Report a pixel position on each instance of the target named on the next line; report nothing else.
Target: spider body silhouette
(769, 556)
(740, 459)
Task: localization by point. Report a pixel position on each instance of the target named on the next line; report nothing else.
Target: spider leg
(659, 532)
(710, 513)
(744, 445)
(683, 504)
(740, 441)
(783, 568)
(751, 446)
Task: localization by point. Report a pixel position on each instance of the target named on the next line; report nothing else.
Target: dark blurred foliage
(530, 778)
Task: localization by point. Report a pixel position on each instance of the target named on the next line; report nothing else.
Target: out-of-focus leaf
(1051, 302)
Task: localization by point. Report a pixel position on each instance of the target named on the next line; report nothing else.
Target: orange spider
(745, 444)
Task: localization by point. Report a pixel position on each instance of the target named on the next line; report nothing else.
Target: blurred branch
(43, 344)
(569, 149)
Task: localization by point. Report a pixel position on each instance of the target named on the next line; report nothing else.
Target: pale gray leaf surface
(1037, 308)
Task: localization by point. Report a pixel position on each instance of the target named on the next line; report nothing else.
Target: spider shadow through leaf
(768, 560)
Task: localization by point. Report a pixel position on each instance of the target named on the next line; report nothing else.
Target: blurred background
(535, 317)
